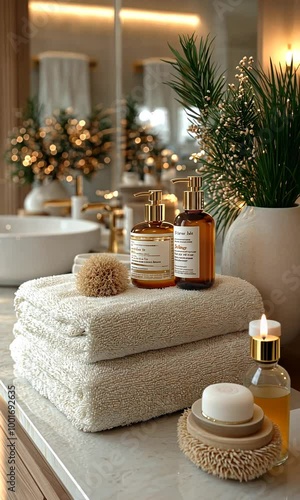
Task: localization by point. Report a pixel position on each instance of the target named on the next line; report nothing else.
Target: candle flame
(263, 327)
(289, 56)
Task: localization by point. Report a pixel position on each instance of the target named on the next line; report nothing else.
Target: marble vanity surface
(141, 462)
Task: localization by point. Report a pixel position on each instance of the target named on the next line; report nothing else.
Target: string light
(142, 148)
(59, 148)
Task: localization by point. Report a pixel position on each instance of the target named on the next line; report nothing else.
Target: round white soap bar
(231, 403)
(274, 328)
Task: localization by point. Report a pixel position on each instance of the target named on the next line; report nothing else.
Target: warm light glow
(108, 13)
(145, 115)
(289, 56)
(171, 198)
(158, 17)
(263, 327)
(73, 9)
(292, 55)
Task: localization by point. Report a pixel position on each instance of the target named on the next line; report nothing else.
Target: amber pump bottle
(152, 246)
(194, 240)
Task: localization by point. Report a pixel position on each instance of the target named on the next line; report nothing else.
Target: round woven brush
(241, 465)
(101, 276)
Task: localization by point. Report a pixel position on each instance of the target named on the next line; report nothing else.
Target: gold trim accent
(265, 350)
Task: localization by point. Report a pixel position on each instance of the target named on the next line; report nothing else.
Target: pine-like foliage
(140, 145)
(60, 147)
(248, 132)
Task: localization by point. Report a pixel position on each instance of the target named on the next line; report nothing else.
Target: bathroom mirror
(73, 64)
(141, 34)
(146, 42)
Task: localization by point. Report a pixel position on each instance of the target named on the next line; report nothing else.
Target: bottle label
(151, 256)
(186, 251)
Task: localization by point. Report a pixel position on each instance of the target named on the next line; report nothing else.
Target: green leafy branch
(248, 132)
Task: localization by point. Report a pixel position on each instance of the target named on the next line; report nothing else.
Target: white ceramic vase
(262, 246)
(44, 191)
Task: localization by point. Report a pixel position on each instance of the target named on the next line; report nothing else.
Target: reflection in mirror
(145, 72)
(73, 48)
(72, 56)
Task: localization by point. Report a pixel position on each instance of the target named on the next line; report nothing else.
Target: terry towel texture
(138, 320)
(134, 388)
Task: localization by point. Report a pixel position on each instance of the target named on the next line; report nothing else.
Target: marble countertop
(138, 462)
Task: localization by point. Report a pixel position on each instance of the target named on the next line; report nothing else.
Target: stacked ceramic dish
(227, 435)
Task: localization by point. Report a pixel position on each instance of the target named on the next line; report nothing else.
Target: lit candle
(289, 56)
(265, 348)
(273, 327)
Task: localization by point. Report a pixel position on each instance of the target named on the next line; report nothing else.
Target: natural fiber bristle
(240, 465)
(101, 276)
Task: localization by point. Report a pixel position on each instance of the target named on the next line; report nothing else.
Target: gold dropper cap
(193, 198)
(155, 210)
(265, 349)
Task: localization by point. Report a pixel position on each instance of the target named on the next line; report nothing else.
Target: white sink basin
(31, 247)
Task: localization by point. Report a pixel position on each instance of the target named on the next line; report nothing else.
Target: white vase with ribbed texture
(262, 246)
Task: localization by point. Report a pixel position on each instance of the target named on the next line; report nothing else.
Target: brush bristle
(240, 465)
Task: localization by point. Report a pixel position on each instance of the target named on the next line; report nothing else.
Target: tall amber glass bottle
(194, 240)
(152, 246)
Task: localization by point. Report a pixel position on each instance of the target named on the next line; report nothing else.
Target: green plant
(59, 148)
(248, 132)
(140, 143)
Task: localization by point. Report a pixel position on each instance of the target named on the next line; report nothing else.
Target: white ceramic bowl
(32, 247)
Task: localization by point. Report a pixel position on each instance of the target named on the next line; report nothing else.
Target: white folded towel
(137, 320)
(135, 388)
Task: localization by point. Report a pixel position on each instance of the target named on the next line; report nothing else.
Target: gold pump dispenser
(155, 209)
(193, 198)
(194, 239)
(152, 246)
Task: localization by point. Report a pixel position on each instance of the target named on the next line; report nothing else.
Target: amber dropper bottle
(194, 240)
(152, 246)
(270, 385)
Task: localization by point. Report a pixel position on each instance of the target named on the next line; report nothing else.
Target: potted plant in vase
(249, 139)
(60, 149)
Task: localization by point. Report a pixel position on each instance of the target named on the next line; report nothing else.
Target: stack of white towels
(106, 362)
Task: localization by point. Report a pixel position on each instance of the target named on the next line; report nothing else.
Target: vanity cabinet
(35, 480)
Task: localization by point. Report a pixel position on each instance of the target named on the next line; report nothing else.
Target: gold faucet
(66, 202)
(63, 204)
(113, 214)
(95, 206)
